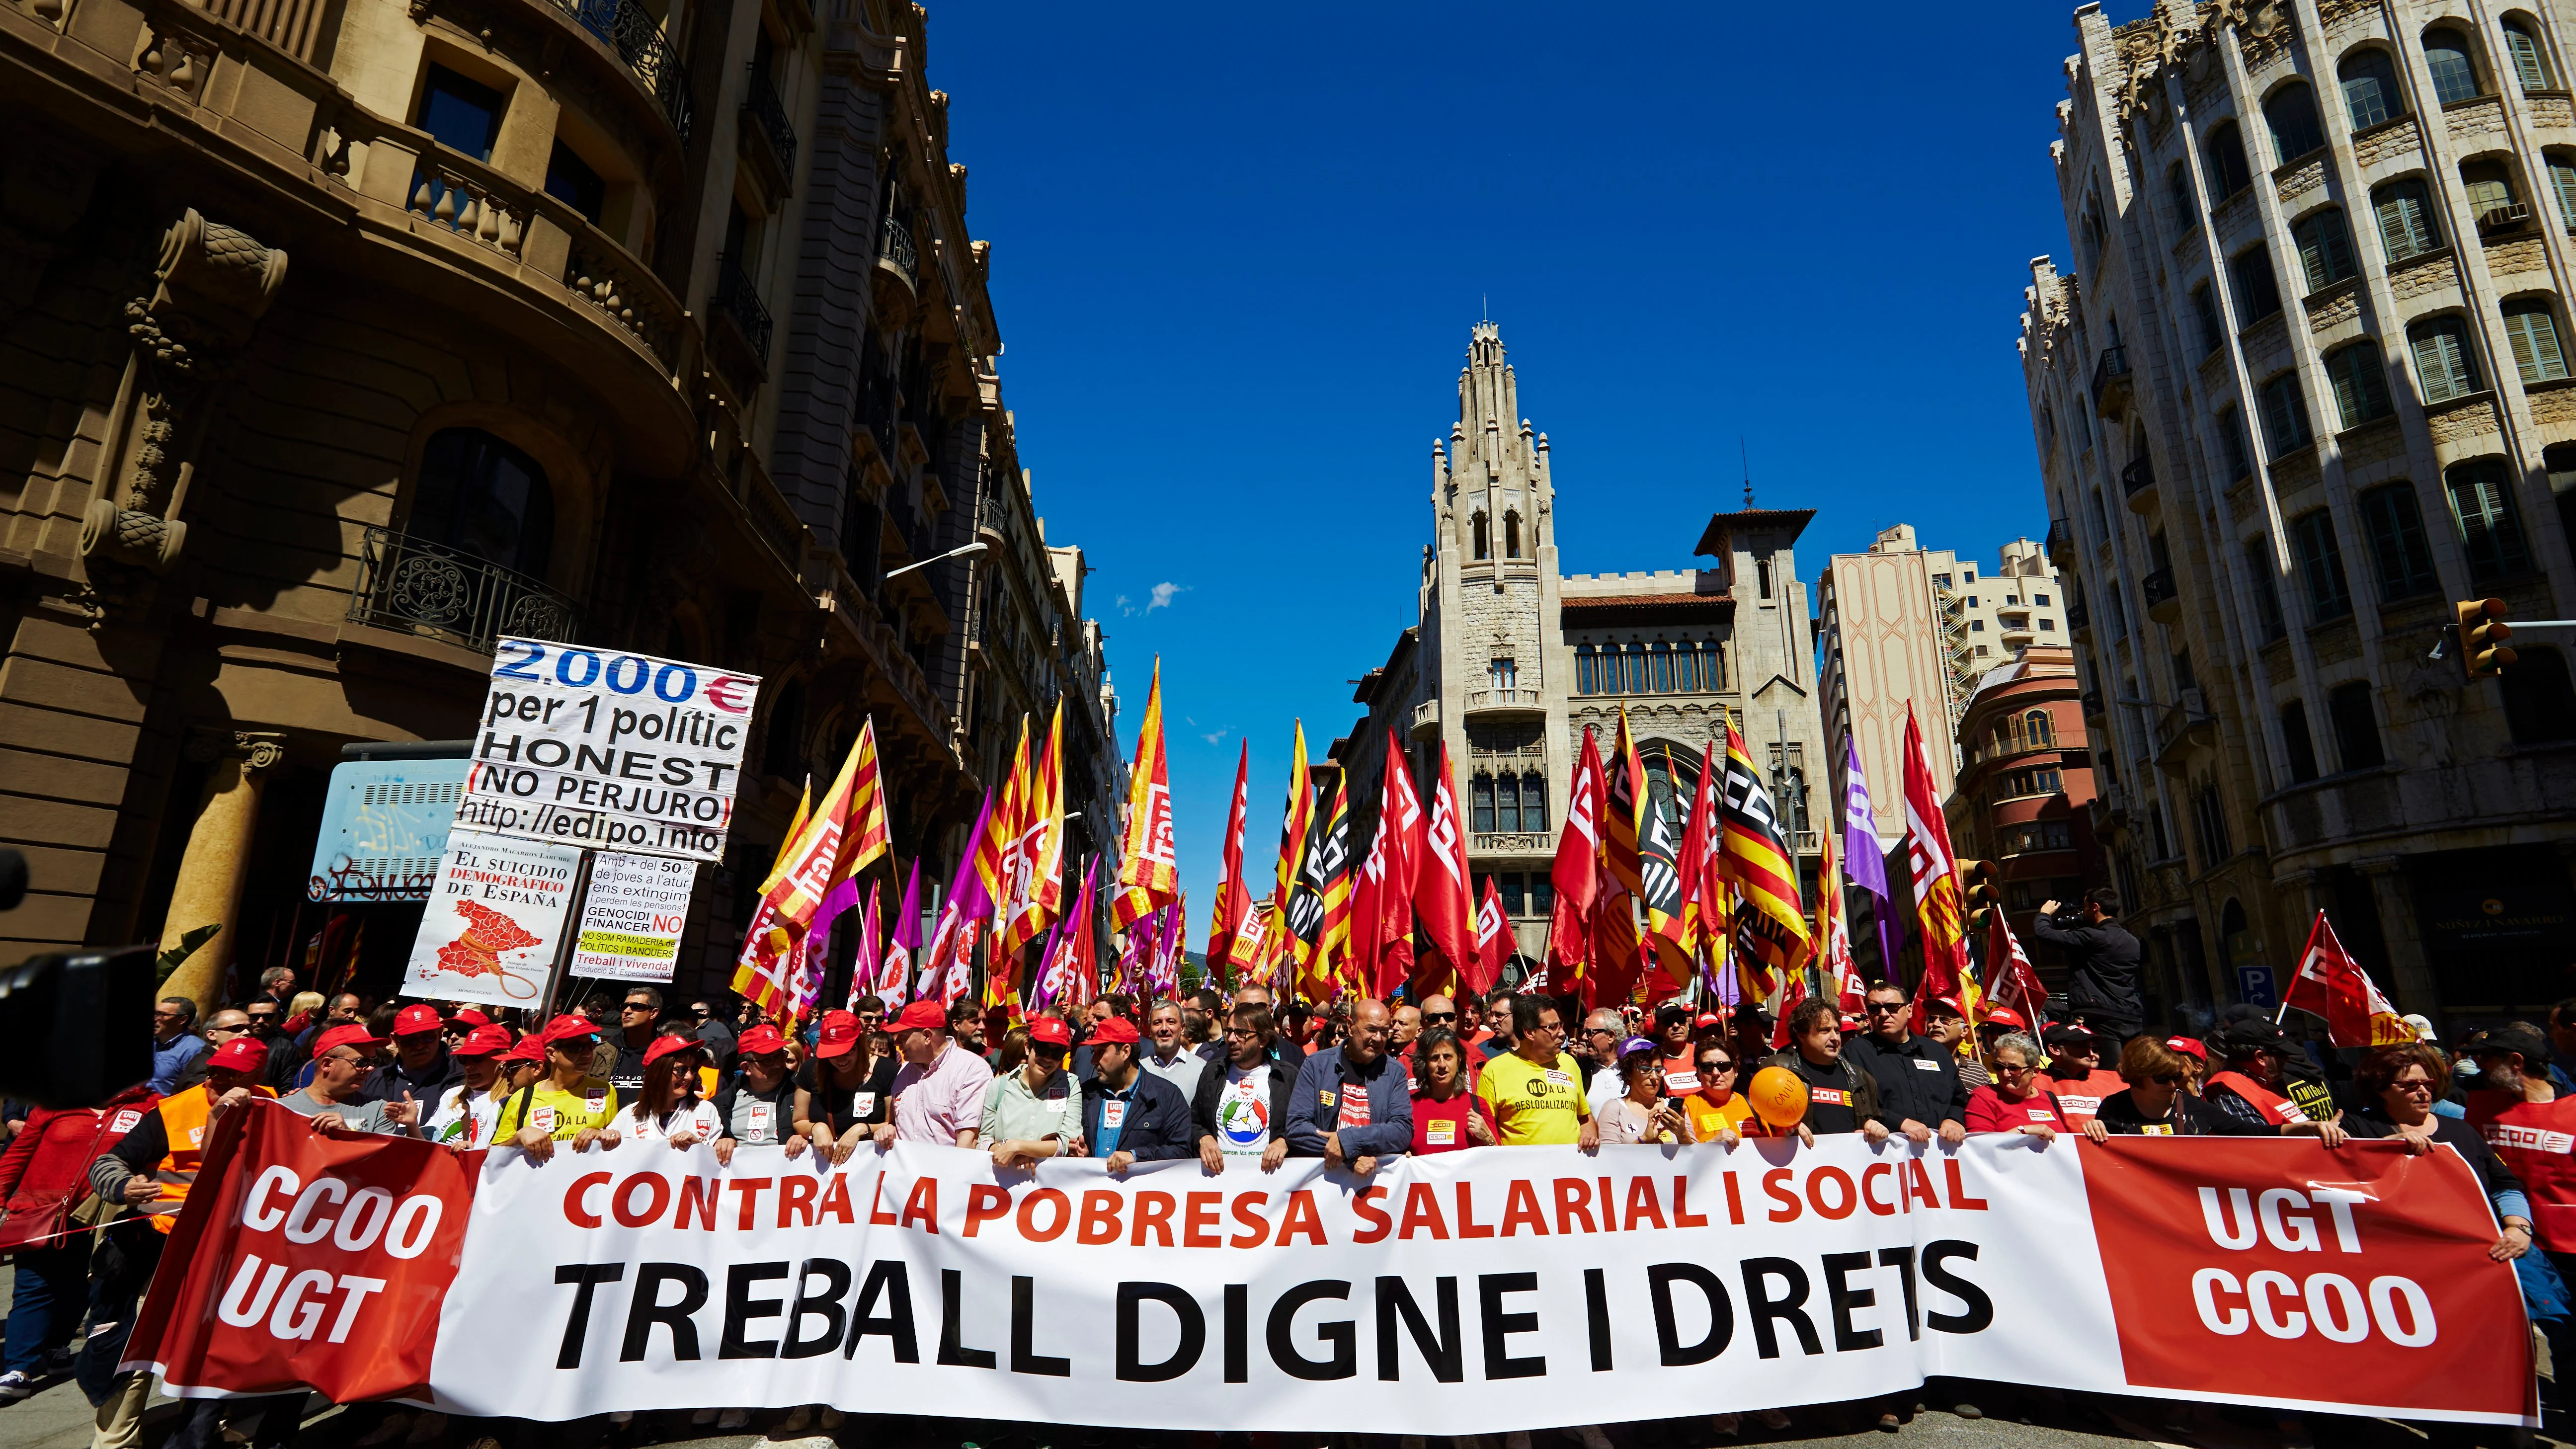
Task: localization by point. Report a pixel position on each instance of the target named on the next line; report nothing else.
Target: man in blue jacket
(1129, 1115)
(1350, 1107)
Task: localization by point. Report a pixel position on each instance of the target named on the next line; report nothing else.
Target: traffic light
(1977, 895)
(2482, 632)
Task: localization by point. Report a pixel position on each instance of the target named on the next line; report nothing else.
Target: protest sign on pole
(1469, 1292)
(608, 751)
(494, 922)
(633, 916)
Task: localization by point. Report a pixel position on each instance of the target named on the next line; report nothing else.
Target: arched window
(2178, 188)
(2562, 183)
(2297, 743)
(2312, 537)
(1507, 804)
(2444, 366)
(2370, 93)
(2285, 415)
(2491, 194)
(1481, 792)
(2356, 726)
(2530, 62)
(2292, 114)
(2539, 702)
(2204, 308)
(1587, 666)
(1632, 673)
(1661, 675)
(1484, 539)
(1511, 535)
(2325, 248)
(2406, 223)
(2231, 446)
(478, 495)
(1762, 576)
(2403, 558)
(2446, 55)
(2037, 731)
(2360, 383)
(2223, 156)
(2533, 331)
(2490, 526)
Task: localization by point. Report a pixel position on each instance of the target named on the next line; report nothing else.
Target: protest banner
(493, 924)
(635, 911)
(608, 751)
(1468, 1292)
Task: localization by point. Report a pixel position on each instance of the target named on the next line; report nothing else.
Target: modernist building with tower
(1509, 661)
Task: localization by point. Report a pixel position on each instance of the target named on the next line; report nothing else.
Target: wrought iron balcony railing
(2139, 475)
(765, 107)
(2158, 587)
(738, 299)
(429, 589)
(894, 244)
(2111, 378)
(629, 29)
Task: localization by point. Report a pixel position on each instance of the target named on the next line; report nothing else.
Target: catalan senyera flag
(1149, 873)
(1771, 916)
(1936, 878)
(999, 852)
(764, 972)
(1038, 893)
(1701, 850)
(1233, 903)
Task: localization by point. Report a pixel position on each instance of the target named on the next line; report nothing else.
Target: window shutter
(2526, 58)
(2562, 179)
(2545, 356)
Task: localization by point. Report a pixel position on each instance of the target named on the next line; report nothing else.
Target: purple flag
(1864, 860)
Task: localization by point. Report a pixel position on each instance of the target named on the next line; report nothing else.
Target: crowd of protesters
(90, 1193)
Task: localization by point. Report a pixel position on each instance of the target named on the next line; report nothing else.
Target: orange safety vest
(2276, 1109)
(183, 1121)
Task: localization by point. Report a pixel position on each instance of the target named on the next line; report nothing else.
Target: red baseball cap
(2189, 1046)
(1848, 1023)
(760, 1041)
(566, 1028)
(352, 1035)
(840, 1034)
(666, 1046)
(469, 1018)
(1707, 1018)
(1051, 1031)
(241, 1054)
(483, 1041)
(2004, 1016)
(1116, 1028)
(529, 1049)
(418, 1017)
(928, 1015)
(1951, 1002)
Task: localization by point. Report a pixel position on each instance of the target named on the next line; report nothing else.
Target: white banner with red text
(1469, 1292)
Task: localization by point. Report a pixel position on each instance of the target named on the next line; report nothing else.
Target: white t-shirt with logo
(464, 1118)
(1243, 1125)
(698, 1119)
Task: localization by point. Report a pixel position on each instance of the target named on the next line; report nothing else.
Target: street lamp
(964, 551)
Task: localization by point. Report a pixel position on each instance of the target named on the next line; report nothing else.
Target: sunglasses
(1439, 1016)
(1877, 1007)
(2169, 1079)
(636, 1006)
(1716, 1067)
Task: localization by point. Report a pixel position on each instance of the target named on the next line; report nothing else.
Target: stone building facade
(2310, 389)
(343, 338)
(2024, 790)
(1510, 661)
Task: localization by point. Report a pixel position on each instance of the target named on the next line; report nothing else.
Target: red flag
(1936, 884)
(1388, 960)
(2010, 978)
(1795, 992)
(1618, 947)
(1231, 900)
(1441, 892)
(2333, 985)
(1576, 872)
(1493, 944)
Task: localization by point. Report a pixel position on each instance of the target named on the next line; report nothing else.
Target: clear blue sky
(1237, 250)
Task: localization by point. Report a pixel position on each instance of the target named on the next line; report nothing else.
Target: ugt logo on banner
(326, 1259)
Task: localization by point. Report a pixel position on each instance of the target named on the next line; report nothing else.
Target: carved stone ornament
(212, 285)
(2147, 49)
(2257, 18)
(256, 749)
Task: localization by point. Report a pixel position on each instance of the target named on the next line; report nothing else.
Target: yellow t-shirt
(562, 1114)
(1533, 1106)
(1706, 1118)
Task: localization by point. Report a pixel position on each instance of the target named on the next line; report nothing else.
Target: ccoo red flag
(2332, 985)
(1441, 892)
(1576, 872)
(1493, 944)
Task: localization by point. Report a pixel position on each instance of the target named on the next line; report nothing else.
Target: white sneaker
(734, 1419)
(16, 1384)
(1591, 1436)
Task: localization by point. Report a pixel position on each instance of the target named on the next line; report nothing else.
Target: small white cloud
(1218, 737)
(1163, 593)
(1122, 605)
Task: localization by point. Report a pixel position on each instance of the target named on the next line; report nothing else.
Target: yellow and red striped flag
(1149, 873)
(1038, 892)
(1771, 922)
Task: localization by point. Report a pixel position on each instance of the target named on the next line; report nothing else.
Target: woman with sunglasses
(2155, 1105)
(1719, 1113)
(1644, 1112)
(2397, 1087)
(2013, 1101)
(667, 1108)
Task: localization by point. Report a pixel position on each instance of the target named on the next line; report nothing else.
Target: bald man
(1350, 1106)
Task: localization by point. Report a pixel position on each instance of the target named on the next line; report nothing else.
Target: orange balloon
(1778, 1097)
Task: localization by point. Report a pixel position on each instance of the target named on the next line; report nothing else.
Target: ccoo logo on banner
(1468, 1292)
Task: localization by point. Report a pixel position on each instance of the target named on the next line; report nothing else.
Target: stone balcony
(1505, 701)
